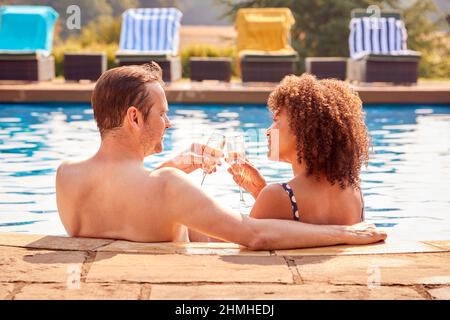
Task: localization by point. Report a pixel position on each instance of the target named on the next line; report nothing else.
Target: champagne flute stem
(241, 194)
(203, 179)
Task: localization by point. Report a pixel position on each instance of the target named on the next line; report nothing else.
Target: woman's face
(282, 142)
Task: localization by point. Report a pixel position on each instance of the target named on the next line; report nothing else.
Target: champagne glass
(216, 141)
(236, 155)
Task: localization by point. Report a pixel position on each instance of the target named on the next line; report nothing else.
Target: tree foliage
(322, 28)
(428, 37)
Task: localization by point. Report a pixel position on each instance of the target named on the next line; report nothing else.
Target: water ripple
(407, 179)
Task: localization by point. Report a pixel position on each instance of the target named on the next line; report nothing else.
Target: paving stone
(5, 290)
(404, 269)
(443, 244)
(168, 268)
(221, 270)
(440, 293)
(51, 242)
(189, 248)
(17, 264)
(86, 291)
(377, 248)
(274, 292)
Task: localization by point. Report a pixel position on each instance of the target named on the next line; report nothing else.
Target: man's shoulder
(170, 180)
(67, 166)
(63, 167)
(69, 170)
(168, 173)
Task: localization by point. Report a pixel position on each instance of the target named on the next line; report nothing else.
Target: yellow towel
(263, 31)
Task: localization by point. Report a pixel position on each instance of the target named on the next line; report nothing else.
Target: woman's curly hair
(327, 119)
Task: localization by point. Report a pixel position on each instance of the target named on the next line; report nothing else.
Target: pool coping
(437, 92)
(40, 267)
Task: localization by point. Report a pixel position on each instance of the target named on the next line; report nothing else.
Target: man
(112, 195)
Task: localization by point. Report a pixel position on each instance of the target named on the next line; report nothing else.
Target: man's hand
(364, 233)
(248, 177)
(198, 156)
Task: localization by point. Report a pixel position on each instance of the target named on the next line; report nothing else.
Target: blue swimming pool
(406, 186)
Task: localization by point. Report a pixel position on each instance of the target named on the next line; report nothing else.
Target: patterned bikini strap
(290, 193)
(363, 210)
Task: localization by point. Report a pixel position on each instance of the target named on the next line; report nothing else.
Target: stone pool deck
(184, 91)
(47, 267)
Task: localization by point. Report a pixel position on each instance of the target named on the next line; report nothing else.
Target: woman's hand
(248, 177)
(364, 233)
(198, 156)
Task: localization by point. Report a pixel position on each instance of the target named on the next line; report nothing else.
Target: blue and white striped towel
(378, 36)
(151, 30)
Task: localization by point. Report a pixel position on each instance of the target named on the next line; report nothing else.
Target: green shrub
(206, 50)
(104, 29)
(322, 30)
(435, 62)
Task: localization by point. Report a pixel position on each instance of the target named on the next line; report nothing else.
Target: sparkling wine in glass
(236, 155)
(216, 141)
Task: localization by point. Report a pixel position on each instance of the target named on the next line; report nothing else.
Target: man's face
(157, 121)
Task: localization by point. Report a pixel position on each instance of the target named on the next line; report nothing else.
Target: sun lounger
(151, 34)
(378, 51)
(327, 67)
(26, 37)
(263, 42)
(84, 66)
(210, 68)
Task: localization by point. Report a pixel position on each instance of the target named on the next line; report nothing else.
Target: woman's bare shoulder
(272, 203)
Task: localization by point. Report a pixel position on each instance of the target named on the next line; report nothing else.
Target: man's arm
(198, 156)
(192, 207)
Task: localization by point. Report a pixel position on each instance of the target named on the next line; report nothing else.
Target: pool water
(406, 185)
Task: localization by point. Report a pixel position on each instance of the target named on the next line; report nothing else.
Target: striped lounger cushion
(150, 31)
(386, 36)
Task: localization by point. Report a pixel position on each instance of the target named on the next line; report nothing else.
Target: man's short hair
(120, 88)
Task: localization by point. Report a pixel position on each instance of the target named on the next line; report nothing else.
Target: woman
(318, 127)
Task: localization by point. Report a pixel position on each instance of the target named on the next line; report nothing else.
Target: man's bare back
(112, 195)
(116, 200)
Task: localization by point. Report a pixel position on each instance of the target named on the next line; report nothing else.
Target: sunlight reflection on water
(406, 185)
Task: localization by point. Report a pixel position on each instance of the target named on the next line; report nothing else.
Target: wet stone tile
(51, 242)
(85, 291)
(440, 293)
(190, 248)
(6, 289)
(17, 264)
(113, 267)
(404, 269)
(377, 248)
(275, 292)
